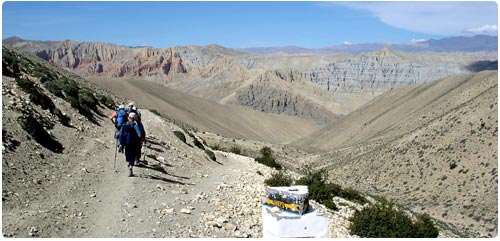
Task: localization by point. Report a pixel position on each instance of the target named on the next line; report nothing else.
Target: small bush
(323, 192)
(453, 165)
(65, 120)
(267, 158)
(180, 135)
(10, 63)
(36, 94)
(37, 132)
(329, 204)
(384, 220)
(352, 195)
(75, 103)
(279, 179)
(70, 88)
(215, 147)
(211, 154)
(198, 144)
(87, 99)
(319, 190)
(106, 100)
(155, 112)
(54, 88)
(235, 150)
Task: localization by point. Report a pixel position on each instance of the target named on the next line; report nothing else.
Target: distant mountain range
(315, 87)
(453, 44)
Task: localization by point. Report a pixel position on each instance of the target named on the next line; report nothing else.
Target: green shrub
(267, 158)
(10, 63)
(266, 152)
(180, 135)
(155, 112)
(330, 204)
(75, 103)
(352, 195)
(319, 190)
(323, 192)
(62, 118)
(54, 88)
(106, 100)
(198, 144)
(424, 227)
(216, 147)
(37, 132)
(279, 179)
(69, 87)
(211, 154)
(36, 94)
(383, 220)
(87, 99)
(235, 150)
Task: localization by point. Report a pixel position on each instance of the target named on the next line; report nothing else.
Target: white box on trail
(312, 224)
(293, 199)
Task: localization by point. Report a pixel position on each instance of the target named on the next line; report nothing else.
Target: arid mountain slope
(224, 75)
(232, 121)
(432, 146)
(376, 72)
(62, 177)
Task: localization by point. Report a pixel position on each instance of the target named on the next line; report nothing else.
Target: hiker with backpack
(133, 109)
(142, 137)
(119, 117)
(129, 138)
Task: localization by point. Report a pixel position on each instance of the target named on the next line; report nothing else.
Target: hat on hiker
(131, 115)
(131, 104)
(121, 106)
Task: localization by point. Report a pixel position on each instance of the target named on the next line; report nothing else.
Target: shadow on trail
(155, 177)
(220, 163)
(152, 156)
(155, 149)
(154, 142)
(160, 169)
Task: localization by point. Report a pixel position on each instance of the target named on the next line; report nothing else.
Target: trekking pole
(116, 147)
(145, 149)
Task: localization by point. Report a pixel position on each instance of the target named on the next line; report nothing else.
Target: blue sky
(246, 24)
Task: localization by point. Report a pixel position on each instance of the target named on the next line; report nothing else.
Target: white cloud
(443, 18)
(485, 29)
(347, 43)
(418, 40)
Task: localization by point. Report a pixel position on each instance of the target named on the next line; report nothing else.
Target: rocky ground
(179, 193)
(76, 186)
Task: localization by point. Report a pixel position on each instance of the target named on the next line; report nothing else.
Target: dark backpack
(143, 132)
(121, 118)
(128, 135)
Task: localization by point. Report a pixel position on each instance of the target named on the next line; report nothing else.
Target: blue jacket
(134, 135)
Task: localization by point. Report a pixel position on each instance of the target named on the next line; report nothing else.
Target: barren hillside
(339, 84)
(231, 121)
(62, 176)
(433, 146)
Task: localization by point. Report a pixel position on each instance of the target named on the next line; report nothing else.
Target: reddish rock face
(97, 59)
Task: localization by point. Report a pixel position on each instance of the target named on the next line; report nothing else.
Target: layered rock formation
(286, 91)
(230, 77)
(379, 71)
(431, 146)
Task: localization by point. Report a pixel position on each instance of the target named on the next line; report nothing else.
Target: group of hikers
(129, 134)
